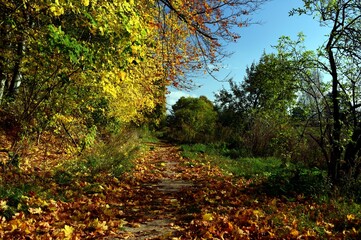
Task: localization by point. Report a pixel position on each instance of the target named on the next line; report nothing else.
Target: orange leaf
(294, 233)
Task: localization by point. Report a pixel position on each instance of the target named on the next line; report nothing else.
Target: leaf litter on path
(170, 197)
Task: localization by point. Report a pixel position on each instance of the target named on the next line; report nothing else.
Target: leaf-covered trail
(176, 198)
(162, 185)
(167, 188)
(168, 197)
(165, 203)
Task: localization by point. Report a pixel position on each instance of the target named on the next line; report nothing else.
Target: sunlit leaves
(85, 62)
(68, 232)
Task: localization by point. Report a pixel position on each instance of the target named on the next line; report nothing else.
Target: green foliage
(149, 136)
(193, 120)
(337, 107)
(240, 166)
(270, 175)
(254, 115)
(14, 195)
(270, 84)
(291, 180)
(191, 151)
(62, 177)
(255, 167)
(68, 45)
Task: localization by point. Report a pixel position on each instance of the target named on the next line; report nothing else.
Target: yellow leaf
(258, 213)
(35, 210)
(99, 226)
(57, 11)
(350, 217)
(14, 224)
(122, 222)
(68, 231)
(122, 75)
(135, 49)
(85, 2)
(207, 217)
(101, 29)
(3, 205)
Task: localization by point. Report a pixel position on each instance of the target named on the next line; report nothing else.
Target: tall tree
(342, 61)
(269, 86)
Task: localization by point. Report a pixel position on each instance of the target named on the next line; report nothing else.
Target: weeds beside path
(170, 197)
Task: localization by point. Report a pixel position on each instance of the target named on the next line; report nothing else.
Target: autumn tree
(193, 33)
(75, 66)
(78, 66)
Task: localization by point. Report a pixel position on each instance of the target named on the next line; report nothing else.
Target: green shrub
(291, 180)
(261, 167)
(193, 120)
(276, 176)
(13, 197)
(63, 177)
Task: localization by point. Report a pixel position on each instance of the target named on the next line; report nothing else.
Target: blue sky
(256, 39)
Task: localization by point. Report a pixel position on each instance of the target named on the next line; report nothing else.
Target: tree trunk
(16, 78)
(352, 153)
(2, 58)
(336, 150)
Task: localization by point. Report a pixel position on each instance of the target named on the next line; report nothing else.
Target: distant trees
(193, 120)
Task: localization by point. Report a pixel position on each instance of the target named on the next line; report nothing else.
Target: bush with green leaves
(193, 120)
(291, 180)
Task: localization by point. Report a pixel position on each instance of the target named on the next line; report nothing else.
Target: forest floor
(167, 196)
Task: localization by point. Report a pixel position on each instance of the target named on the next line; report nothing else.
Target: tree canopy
(75, 66)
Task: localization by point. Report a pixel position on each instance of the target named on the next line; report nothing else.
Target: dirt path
(165, 186)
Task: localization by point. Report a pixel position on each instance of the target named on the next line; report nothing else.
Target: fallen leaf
(68, 231)
(35, 210)
(3, 205)
(207, 217)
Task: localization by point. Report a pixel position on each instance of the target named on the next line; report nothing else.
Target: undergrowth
(270, 175)
(307, 189)
(108, 158)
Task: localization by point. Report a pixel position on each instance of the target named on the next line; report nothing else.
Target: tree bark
(16, 78)
(335, 140)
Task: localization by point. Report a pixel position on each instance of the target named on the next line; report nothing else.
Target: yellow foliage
(56, 10)
(68, 231)
(85, 2)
